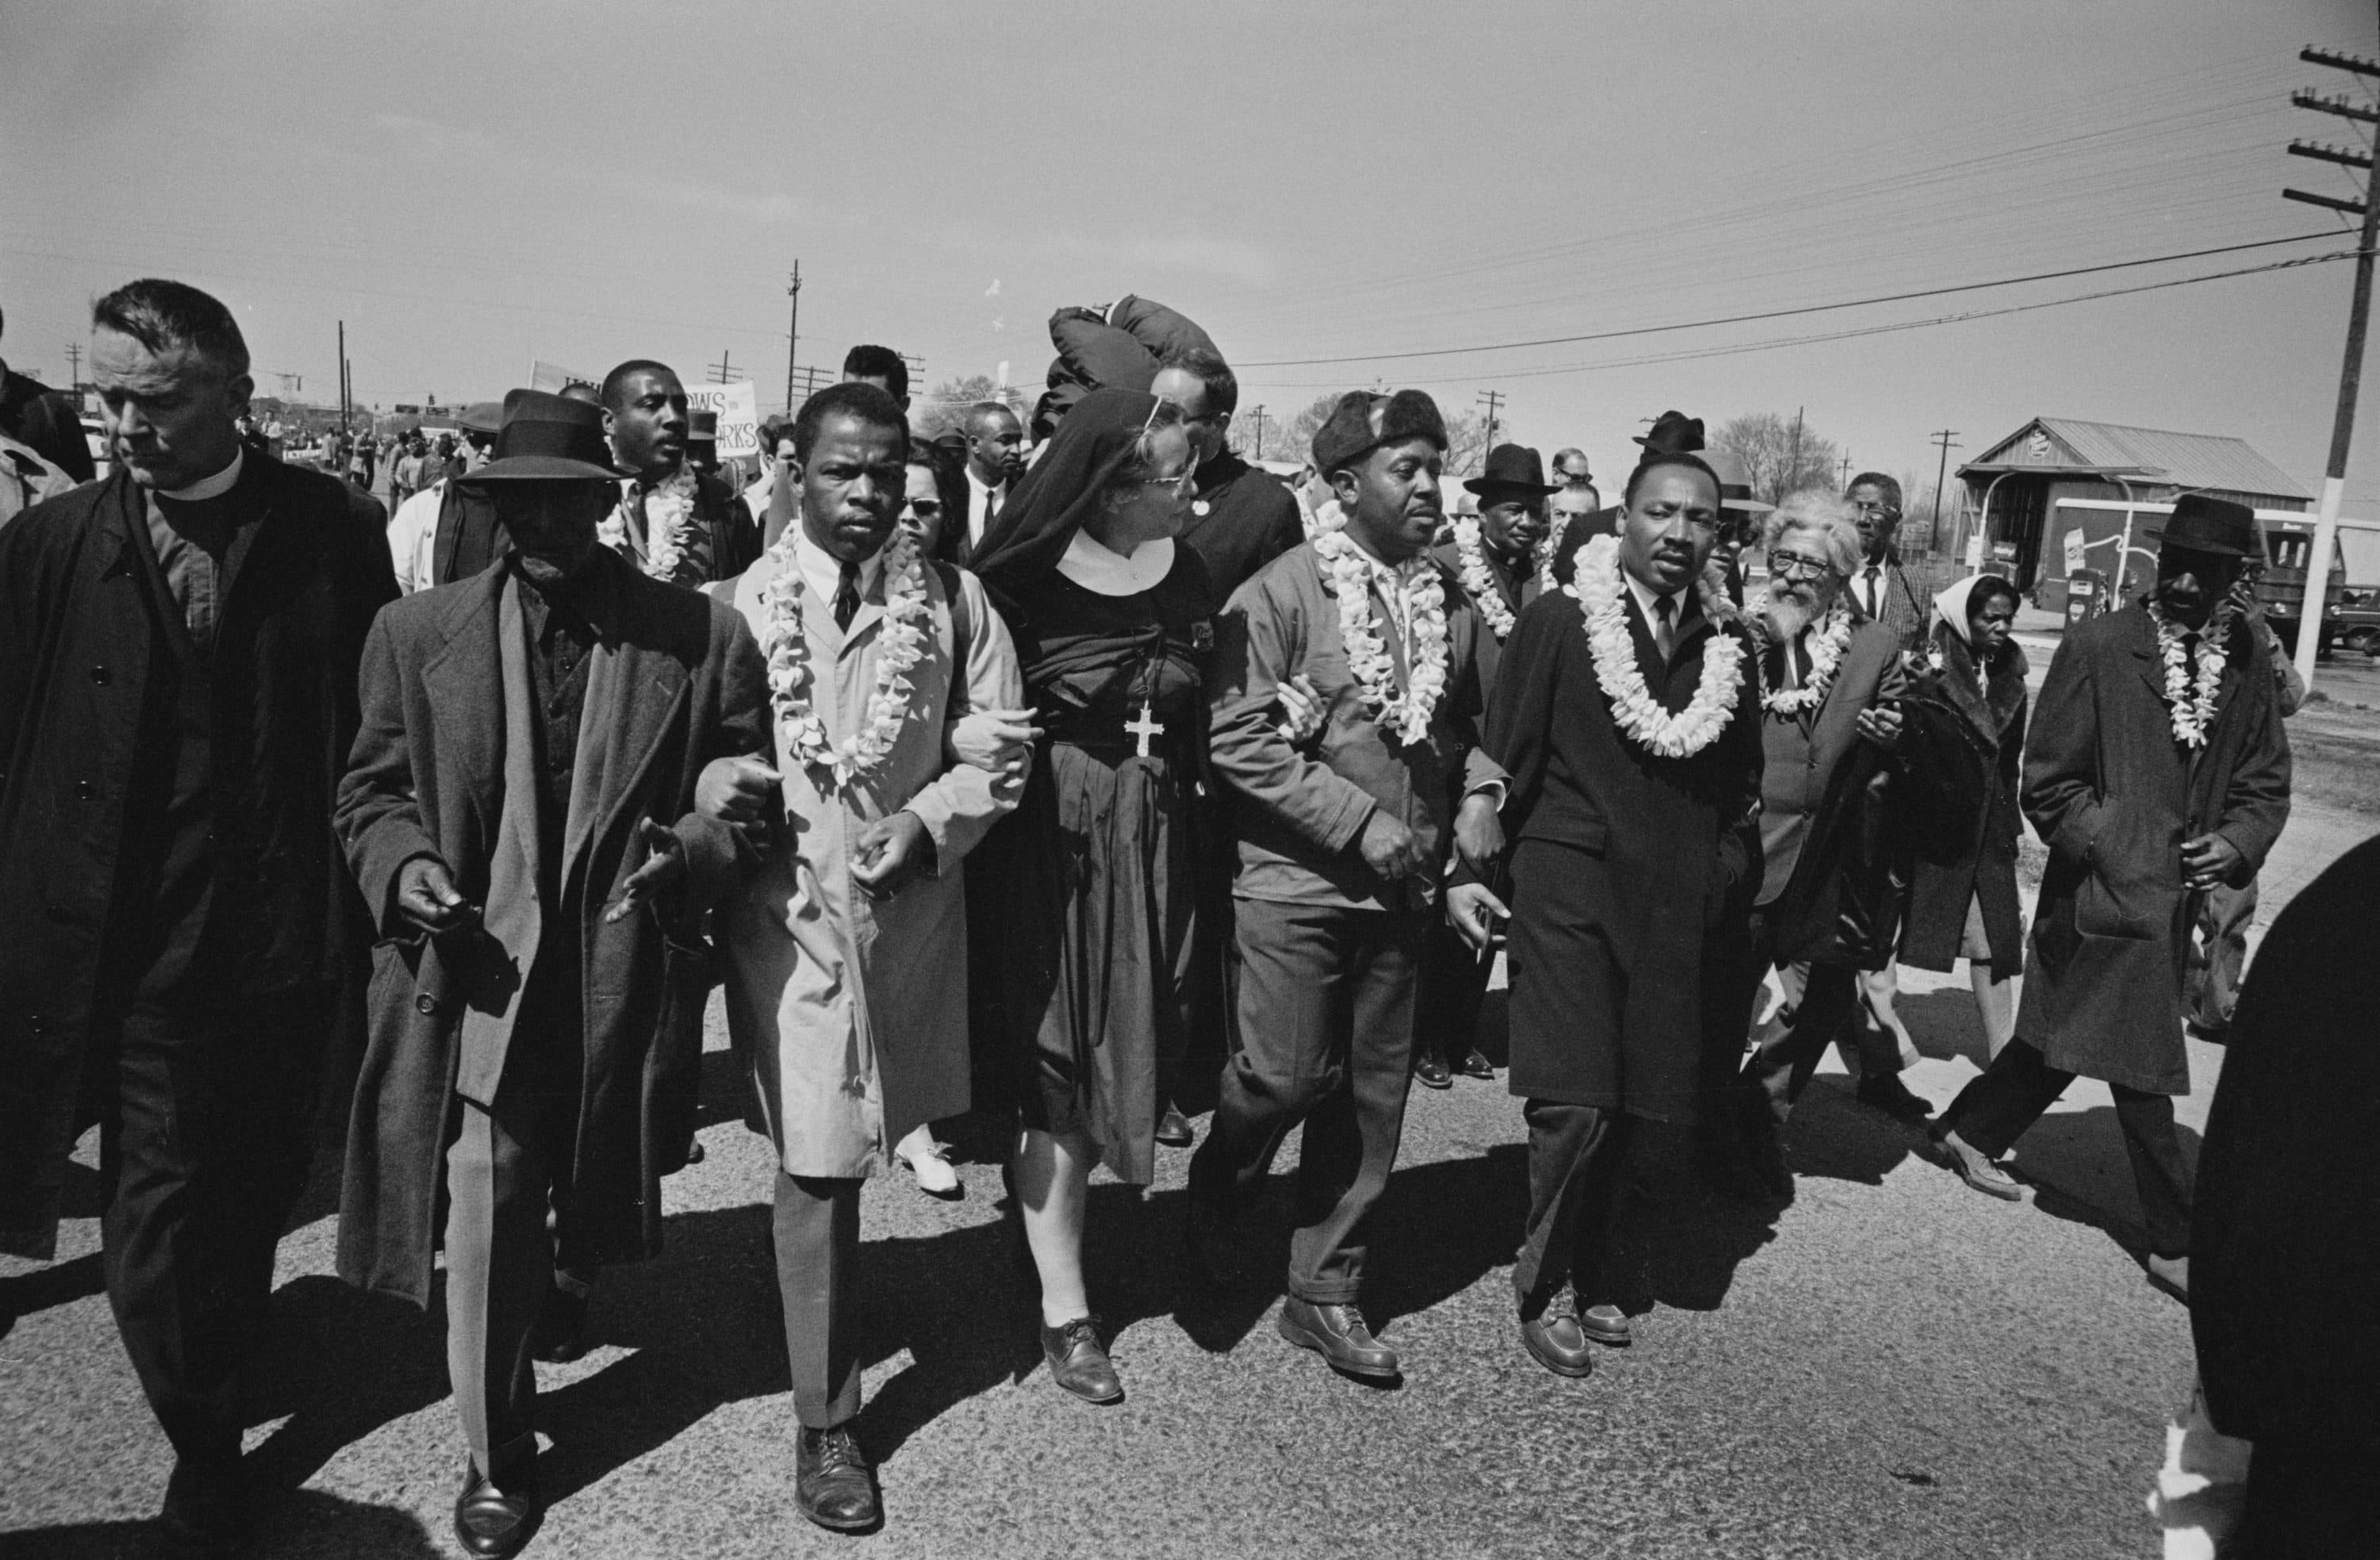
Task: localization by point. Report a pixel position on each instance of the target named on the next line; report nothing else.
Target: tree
(947, 407)
(1778, 454)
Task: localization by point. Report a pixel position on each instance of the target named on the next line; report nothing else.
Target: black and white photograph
(1291, 780)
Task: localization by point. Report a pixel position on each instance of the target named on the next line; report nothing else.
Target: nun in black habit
(1085, 894)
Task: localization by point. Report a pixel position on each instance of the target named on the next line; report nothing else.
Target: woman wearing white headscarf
(1967, 696)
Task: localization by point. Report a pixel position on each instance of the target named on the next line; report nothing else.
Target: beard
(1787, 610)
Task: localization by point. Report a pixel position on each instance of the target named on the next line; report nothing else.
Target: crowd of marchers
(1022, 771)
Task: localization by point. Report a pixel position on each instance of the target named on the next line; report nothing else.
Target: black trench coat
(2115, 794)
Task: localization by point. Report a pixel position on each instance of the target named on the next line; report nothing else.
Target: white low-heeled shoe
(924, 1157)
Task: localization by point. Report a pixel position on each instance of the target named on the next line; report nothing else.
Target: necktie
(1868, 591)
(1665, 630)
(846, 595)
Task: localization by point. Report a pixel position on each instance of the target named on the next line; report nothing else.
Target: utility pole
(723, 372)
(2351, 372)
(1793, 470)
(1259, 421)
(793, 333)
(74, 366)
(1495, 401)
(342, 376)
(1941, 475)
(1846, 475)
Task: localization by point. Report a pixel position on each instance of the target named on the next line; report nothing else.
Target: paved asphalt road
(1894, 1366)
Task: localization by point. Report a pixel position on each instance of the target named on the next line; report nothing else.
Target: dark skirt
(1096, 890)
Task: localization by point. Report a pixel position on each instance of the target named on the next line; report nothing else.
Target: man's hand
(2208, 861)
(662, 869)
(1388, 847)
(888, 852)
(1881, 726)
(1473, 912)
(426, 896)
(1303, 712)
(737, 791)
(997, 740)
(1479, 833)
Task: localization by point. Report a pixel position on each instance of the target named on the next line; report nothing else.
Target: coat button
(101, 675)
(426, 1006)
(85, 791)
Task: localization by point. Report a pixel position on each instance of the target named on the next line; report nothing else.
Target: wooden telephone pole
(793, 334)
(2359, 318)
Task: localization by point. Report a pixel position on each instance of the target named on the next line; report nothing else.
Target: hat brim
(1483, 485)
(541, 468)
(2205, 549)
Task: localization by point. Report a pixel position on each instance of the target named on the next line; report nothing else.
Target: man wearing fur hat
(1342, 843)
(2156, 770)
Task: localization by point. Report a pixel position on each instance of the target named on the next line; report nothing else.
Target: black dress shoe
(1885, 1092)
(1337, 1333)
(1433, 1073)
(1607, 1324)
(493, 1523)
(832, 1485)
(1174, 1130)
(561, 1328)
(1079, 1362)
(1554, 1339)
(1477, 1065)
(205, 1513)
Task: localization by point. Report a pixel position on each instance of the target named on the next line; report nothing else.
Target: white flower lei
(1826, 654)
(1350, 569)
(2193, 708)
(1478, 581)
(1597, 588)
(901, 643)
(669, 524)
(1321, 520)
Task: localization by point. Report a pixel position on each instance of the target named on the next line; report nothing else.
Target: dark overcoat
(674, 681)
(2114, 794)
(1626, 864)
(2285, 1223)
(81, 634)
(1955, 804)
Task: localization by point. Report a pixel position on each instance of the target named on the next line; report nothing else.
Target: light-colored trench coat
(851, 1010)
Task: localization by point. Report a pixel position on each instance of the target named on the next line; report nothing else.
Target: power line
(1783, 313)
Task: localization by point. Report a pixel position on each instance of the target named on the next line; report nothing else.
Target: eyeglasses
(1792, 565)
(925, 509)
(1876, 509)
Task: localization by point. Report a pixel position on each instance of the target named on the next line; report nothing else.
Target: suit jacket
(1243, 518)
(1515, 592)
(1299, 812)
(2114, 794)
(674, 681)
(1901, 611)
(82, 641)
(1802, 751)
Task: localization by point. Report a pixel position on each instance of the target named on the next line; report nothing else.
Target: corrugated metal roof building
(2017, 483)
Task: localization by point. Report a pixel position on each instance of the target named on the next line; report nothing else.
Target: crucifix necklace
(1144, 726)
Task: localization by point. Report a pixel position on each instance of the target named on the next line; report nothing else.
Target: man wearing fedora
(2156, 770)
(1499, 556)
(518, 811)
(673, 521)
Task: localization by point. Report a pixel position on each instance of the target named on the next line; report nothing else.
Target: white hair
(1817, 512)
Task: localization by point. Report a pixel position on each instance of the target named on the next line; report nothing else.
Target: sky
(471, 186)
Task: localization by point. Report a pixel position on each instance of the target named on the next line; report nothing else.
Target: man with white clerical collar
(519, 810)
(1343, 841)
(674, 521)
(179, 654)
(1500, 556)
(995, 459)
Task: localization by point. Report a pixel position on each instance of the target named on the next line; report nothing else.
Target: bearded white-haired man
(1830, 686)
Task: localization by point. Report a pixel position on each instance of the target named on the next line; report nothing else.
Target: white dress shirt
(1645, 598)
(822, 571)
(981, 497)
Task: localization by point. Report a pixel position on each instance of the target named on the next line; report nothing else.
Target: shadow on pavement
(299, 1525)
(340, 1364)
(61, 1284)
